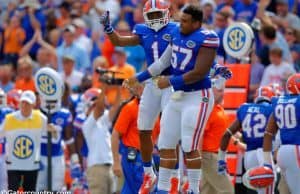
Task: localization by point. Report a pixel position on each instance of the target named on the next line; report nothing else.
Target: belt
(106, 164)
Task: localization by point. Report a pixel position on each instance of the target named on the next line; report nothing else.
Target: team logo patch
(46, 84)
(167, 37)
(23, 147)
(190, 44)
(59, 121)
(205, 99)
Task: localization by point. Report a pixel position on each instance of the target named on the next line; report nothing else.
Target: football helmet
(264, 93)
(293, 84)
(55, 106)
(258, 177)
(278, 90)
(156, 6)
(88, 98)
(2, 99)
(13, 98)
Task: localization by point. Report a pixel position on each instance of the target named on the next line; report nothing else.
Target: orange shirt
(25, 84)
(215, 128)
(127, 71)
(14, 38)
(126, 125)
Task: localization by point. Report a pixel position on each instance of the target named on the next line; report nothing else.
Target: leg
(3, 174)
(30, 179)
(220, 184)
(58, 170)
(14, 178)
(196, 108)
(149, 109)
(168, 140)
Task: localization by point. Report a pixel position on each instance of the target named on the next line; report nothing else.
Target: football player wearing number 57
(252, 118)
(286, 119)
(191, 54)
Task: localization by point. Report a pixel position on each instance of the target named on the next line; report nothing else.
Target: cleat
(174, 185)
(148, 184)
(185, 187)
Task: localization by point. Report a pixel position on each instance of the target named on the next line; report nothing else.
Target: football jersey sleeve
(210, 39)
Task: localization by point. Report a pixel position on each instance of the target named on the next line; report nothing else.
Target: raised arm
(114, 37)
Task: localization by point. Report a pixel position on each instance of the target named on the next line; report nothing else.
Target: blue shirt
(82, 60)
(254, 119)
(185, 49)
(135, 57)
(246, 13)
(61, 120)
(26, 25)
(287, 116)
(9, 86)
(3, 112)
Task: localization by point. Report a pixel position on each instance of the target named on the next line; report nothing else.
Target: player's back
(154, 43)
(287, 116)
(185, 49)
(254, 119)
(61, 119)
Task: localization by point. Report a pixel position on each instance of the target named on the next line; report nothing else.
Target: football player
(286, 119)
(4, 110)
(252, 118)
(192, 50)
(61, 119)
(154, 37)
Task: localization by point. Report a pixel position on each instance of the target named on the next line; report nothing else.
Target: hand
(223, 71)
(117, 169)
(222, 167)
(105, 21)
(52, 129)
(76, 171)
(130, 83)
(162, 82)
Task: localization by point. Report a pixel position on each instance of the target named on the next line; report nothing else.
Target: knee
(169, 153)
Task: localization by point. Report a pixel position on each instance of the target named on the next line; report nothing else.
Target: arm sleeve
(164, 61)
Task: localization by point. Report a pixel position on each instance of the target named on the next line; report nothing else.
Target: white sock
(149, 170)
(164, 177)
(194, 177)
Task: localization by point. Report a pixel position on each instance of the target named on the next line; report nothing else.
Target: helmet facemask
(156, 18)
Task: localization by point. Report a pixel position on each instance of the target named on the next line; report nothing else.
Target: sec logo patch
(23, 147)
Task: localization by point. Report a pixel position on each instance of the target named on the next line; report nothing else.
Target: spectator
(123, 70)
(64, 18)
(208, 7)
(70, 74)
(247, 11)
(69, 47)
(6, 72)
(102, 63)
(278, 71)
(284, 18)
(54, 37)
(292, 37)
(82, 41)
(96, 131)
(135, 54)
(127, 11)
(221, 22)
(14, 36)
(257, 70)
(33, 19)
(234, 4)
(25, 80)
(272, 39)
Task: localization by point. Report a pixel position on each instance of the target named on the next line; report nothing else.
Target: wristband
(108, 29)
(177, 82)
(267, 157)
(143, 76)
